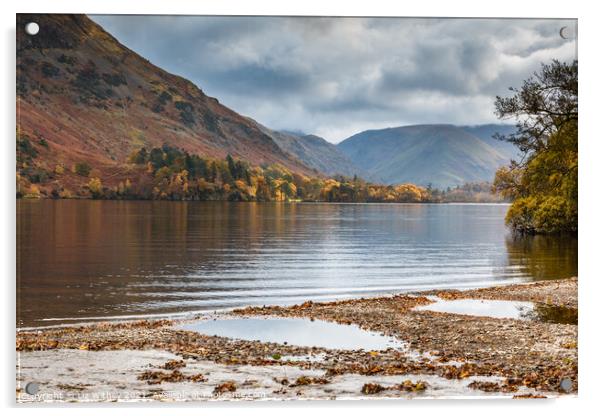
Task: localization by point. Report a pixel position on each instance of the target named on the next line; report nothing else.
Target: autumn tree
(82, 169)
(95, 187)
(288, 189)
(263, 190)
(543, 184)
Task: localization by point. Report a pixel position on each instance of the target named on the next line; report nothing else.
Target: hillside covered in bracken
(85, 103)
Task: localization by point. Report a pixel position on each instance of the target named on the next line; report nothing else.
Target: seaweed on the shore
(407, 386)
(228, 386)
(305, 381)
(158, 377)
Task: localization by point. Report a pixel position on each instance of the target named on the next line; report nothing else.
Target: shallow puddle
(504, 309)
(296, 331)
(479, 307)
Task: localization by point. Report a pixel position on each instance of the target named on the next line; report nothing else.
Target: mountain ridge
(441, 155)
(318, 153)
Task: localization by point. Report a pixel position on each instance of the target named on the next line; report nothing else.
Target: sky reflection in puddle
(296, 331)
(504, 309)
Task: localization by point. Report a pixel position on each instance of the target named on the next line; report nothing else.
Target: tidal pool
(296, 331)
(504, 309)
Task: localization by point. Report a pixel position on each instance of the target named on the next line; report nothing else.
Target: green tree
(543, 185)
(82, 169)
(156, 158)
(231, 166)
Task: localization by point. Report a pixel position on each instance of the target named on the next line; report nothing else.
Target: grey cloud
(338, 76)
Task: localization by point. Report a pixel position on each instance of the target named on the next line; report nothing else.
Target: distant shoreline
(271, 202)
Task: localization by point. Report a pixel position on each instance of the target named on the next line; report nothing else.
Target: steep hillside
(441, 155)
(315, 152)
(82, 97)
(485, 132)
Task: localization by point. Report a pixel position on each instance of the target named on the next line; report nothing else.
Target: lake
(83, 260)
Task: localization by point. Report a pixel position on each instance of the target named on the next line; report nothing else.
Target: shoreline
(447, 354)
(292, 201)
(449, 293)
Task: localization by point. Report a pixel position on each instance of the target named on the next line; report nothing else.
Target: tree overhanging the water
(543, 184)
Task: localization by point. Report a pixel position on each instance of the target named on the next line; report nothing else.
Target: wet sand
(445, 355)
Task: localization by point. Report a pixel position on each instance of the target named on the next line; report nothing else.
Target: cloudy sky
(335, 77)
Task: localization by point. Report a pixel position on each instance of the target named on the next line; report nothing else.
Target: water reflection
(502, 309)
(554, 314)
(481, 307)
(543, 257)
(83, 259)
(296, 331)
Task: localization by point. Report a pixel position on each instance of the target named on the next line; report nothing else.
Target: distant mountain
(440, 154)
(82, 97)
(315, 152)
(485, 132)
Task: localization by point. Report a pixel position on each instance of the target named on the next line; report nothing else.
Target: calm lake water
(81, 260)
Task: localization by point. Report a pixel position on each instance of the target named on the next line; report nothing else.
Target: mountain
(315, 152)
(485, 132)
(82, 97)
(438, 154)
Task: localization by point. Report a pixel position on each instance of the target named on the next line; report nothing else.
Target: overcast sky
(335, 77)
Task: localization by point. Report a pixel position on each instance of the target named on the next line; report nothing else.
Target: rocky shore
(445, 354)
